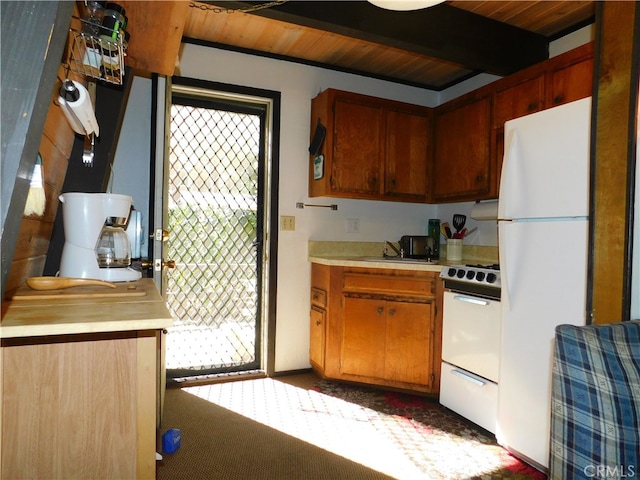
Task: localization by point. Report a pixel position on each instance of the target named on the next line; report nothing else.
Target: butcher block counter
(87, 309)
(79, 376)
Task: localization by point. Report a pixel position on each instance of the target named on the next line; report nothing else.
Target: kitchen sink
(419, 261)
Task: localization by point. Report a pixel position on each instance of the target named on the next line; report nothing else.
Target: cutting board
(88, 291)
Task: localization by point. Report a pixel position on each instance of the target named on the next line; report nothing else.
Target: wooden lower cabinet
(79, 406)
(388, 340)
(316, 350)
(381, 327)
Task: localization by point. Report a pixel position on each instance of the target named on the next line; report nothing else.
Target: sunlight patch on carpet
(354, 423)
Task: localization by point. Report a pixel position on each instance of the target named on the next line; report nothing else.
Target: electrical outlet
(353, 225)
(287, 223)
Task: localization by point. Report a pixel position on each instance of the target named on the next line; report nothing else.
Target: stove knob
(480, 276)
(471, 274)
(460, 273)
(451, 272)
(491, 277)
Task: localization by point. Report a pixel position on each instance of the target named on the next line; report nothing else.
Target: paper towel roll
(81, 111)
(485, 210)
(71, 118)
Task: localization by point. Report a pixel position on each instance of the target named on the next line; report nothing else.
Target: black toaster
(418, 246)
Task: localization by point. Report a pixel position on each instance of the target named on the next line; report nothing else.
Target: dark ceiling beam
(443, 32)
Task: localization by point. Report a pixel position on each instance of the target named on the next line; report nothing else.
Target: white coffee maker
(96, 244)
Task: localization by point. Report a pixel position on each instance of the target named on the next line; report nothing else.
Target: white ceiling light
(405, 5)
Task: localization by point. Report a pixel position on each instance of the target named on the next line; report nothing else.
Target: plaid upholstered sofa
(595, 402)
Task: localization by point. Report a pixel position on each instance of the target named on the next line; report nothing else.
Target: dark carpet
(300, 427)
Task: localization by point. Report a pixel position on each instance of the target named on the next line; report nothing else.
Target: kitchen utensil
(459, 221)
(55, 283)
(89, 150)
(447, 230)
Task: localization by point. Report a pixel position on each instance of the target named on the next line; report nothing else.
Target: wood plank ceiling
(432, 48)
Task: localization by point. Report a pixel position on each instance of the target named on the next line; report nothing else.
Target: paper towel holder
(484, 210)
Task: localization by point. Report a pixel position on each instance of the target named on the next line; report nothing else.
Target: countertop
(367, 262)
(108, 313)
(363, 254)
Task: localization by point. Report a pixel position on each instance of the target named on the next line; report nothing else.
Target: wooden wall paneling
(35, 231)
(613, 159)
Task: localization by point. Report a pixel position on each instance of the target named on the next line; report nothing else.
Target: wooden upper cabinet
(407, 154)
(461, 162)
(572, 81)
(156, 33)
(374, 148)
(517, 100)
(356, 166)
(383, 150)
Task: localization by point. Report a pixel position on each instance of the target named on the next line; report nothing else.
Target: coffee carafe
(96, 244)
(113, 249)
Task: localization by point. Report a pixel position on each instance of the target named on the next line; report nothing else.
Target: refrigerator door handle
(509, 173)
(504, 265)
(468, 377)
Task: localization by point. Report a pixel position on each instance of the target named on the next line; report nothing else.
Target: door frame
(161, 90)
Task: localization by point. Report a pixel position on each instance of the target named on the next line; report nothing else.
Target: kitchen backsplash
(476, 253)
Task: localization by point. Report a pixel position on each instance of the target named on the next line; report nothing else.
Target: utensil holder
(454, 249)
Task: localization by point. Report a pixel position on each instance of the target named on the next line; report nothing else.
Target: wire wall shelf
(97, 53)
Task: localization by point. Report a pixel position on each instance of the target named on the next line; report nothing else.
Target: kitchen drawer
(388, 284)
(318, 297)
(469, 395)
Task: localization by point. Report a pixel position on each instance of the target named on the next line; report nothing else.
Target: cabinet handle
(380, 310)
(315, 296)
(318, 323)
(557, 99)
(469, 377)
(392, 312)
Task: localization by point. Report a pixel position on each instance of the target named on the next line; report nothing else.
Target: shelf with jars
(98, 42)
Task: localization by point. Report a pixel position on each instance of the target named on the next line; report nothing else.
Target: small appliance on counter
(417, 246)
(96, 244)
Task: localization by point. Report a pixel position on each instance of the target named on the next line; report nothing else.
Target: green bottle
(434, 233)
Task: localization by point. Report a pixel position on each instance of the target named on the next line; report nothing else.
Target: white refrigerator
(543, 221)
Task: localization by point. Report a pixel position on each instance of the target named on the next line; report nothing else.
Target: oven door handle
(474, 300)
(468, 377)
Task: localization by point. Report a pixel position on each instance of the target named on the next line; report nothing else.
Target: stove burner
(483, 279)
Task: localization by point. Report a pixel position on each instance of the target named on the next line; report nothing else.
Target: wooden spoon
(54, 283)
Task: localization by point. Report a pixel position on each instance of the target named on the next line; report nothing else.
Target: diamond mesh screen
(213, 290)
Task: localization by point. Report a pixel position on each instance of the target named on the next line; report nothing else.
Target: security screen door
(216, 215)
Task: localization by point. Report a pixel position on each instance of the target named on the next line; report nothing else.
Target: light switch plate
(353, 225)
(287, 223)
